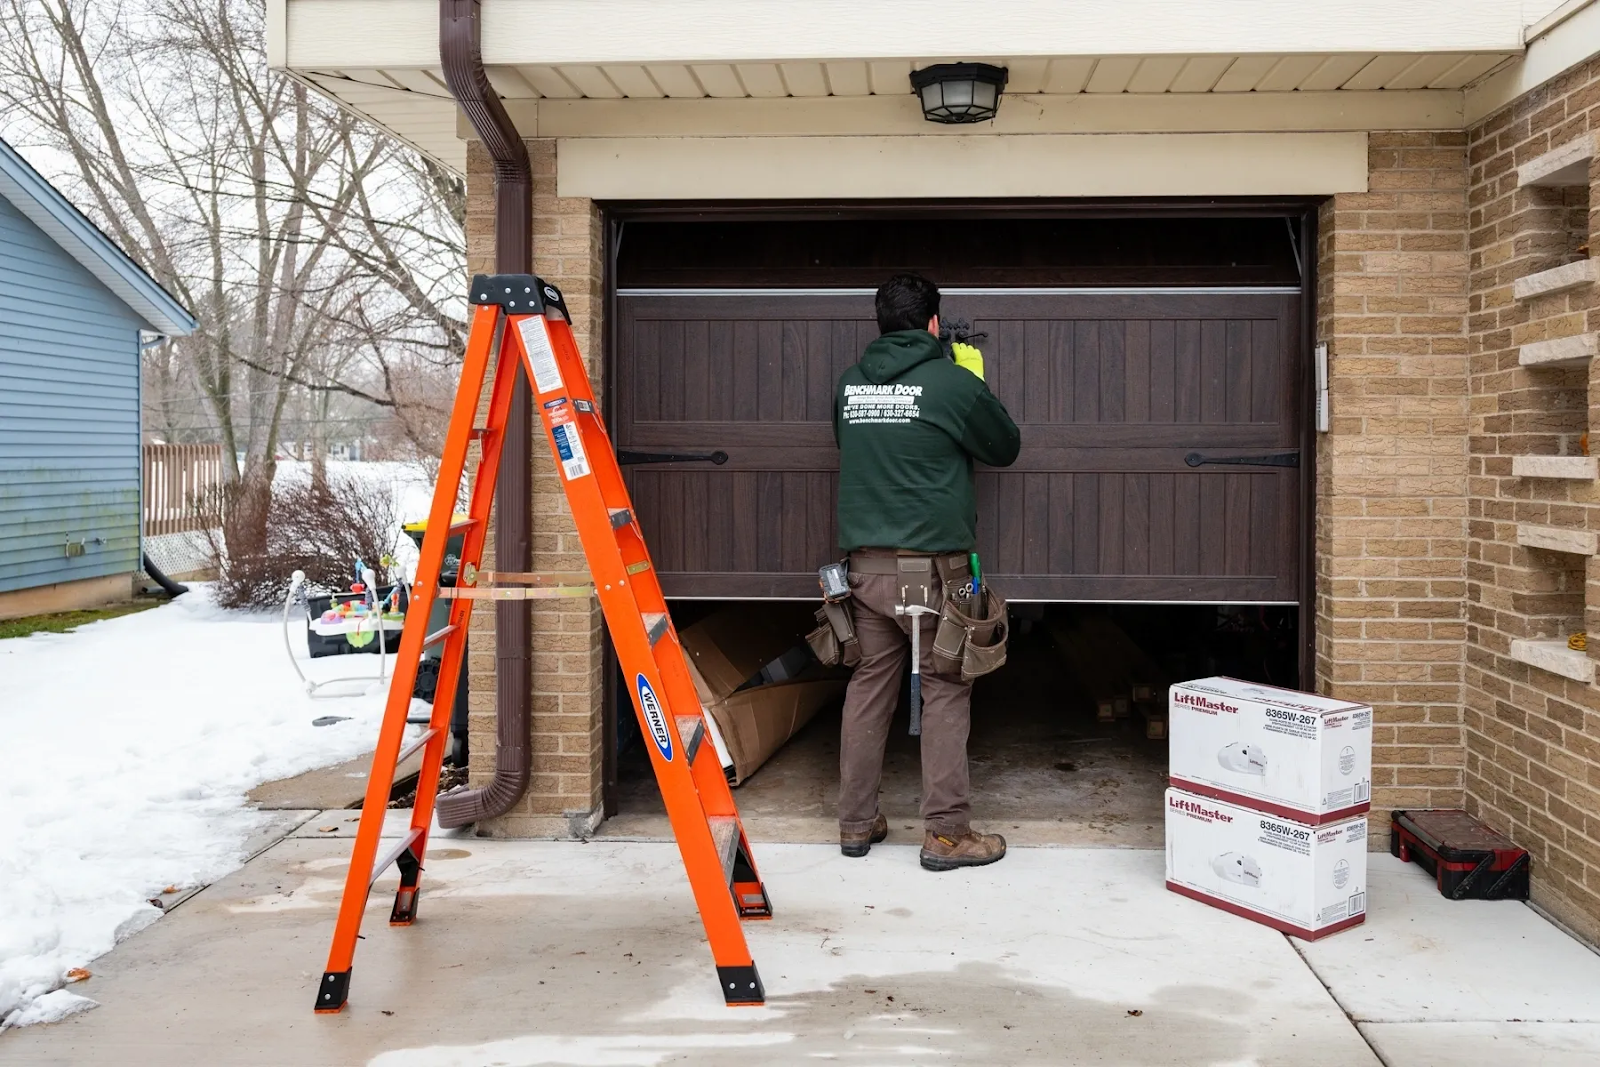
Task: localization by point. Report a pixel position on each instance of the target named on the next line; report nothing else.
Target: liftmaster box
(1310, 881)
(1298, 755)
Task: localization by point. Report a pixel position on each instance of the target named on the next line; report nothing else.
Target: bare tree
(318, 255)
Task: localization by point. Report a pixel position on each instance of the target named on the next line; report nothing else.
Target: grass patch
(66, 621)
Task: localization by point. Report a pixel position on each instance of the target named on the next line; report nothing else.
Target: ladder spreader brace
(528, 320)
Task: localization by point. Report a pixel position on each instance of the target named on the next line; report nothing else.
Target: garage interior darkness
(1156, 361)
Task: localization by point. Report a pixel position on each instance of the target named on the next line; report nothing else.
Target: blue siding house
(73, 309)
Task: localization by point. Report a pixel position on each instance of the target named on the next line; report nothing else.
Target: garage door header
(1112, 165)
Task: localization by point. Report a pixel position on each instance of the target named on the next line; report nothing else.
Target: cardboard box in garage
(726, 650)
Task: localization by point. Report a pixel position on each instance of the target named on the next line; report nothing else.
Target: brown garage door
(1132, 405)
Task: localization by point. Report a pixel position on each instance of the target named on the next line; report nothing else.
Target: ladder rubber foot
(405, 907)
(405, 898)
(333, 991)
(741, 985)
(751, 900)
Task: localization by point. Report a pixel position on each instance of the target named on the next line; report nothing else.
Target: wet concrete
(566, 953)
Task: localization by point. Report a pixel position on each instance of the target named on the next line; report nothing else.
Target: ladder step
(438, 635)
(620, 517)
(415, 746)
(399, 850)
(691, 731)
(460, 525)
(725, 832)
(655, 625)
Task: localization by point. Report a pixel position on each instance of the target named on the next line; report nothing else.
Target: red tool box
(1467, 859)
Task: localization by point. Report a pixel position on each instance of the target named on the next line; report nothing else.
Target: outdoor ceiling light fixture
(959, 92)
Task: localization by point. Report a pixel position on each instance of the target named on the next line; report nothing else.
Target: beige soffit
(734, 168)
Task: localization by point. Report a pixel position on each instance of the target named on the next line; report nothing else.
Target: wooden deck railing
(182, 488)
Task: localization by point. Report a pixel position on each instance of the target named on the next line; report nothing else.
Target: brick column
(1392, 473)
(1533, 736)
(564, 795)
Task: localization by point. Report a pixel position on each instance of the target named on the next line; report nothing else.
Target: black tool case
(1468, 860)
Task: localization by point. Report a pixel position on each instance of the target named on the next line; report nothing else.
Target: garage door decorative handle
(1276, 459)
(627, 458)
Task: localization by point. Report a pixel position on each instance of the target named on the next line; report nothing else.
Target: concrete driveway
(534, 953)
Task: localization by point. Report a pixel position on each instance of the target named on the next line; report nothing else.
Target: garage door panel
(722, 523)
(1112, 393)
(1210, 372)
(1126, 524)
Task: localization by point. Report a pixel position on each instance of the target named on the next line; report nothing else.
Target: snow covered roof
(81, 239)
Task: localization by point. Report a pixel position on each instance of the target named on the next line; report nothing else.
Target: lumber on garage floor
(1044, 772)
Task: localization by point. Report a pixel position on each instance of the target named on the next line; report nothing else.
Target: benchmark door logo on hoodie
(881, 403)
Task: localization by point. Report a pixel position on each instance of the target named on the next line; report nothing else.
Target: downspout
(460, 52)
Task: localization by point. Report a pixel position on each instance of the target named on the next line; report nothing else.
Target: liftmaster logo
(650, 708)
(1198, 809)
(1200, 703)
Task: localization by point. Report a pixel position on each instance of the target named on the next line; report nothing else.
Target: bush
(319, 529)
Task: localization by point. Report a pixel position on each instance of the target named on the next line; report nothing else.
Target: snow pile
(130, 745)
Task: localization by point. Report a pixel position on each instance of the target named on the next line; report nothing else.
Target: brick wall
(1392, 471)
(1533, 736)
(564, 796)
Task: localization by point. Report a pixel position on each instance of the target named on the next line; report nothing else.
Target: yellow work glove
(969, 357)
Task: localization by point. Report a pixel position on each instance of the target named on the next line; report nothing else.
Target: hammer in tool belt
(915, 610)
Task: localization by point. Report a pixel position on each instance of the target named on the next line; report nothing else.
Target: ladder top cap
(518, 294)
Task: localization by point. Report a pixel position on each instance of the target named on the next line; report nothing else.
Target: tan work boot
(857, 845)
(943, 853)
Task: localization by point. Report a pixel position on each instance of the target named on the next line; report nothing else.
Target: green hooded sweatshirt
(909, 423)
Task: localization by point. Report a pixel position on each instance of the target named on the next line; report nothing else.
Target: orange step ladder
(528, 320)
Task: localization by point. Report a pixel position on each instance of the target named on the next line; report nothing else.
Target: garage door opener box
(1302, 756)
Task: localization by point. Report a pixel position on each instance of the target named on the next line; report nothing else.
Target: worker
(909, 422)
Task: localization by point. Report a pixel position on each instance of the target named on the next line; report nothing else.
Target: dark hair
(906, 302)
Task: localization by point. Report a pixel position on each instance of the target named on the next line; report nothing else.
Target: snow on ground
(130, 745)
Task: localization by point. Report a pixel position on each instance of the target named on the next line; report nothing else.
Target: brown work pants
(870, 702)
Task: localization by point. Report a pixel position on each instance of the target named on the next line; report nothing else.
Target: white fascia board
(1055, 165)
(277, 26)
(1290, 112)
(1555, 45)
(342, 34)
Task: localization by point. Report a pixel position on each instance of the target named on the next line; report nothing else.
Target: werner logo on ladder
(716, 854)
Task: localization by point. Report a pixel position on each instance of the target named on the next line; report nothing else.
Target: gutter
(461, 53)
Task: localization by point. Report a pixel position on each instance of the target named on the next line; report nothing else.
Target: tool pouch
(983, 636)
(834, 640)
(948, 641)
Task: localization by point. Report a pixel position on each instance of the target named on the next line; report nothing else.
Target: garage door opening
(1157, 368)
(1051, 763)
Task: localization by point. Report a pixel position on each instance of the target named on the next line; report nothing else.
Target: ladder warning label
(650, 708)
(569, 446)
(541, 357)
